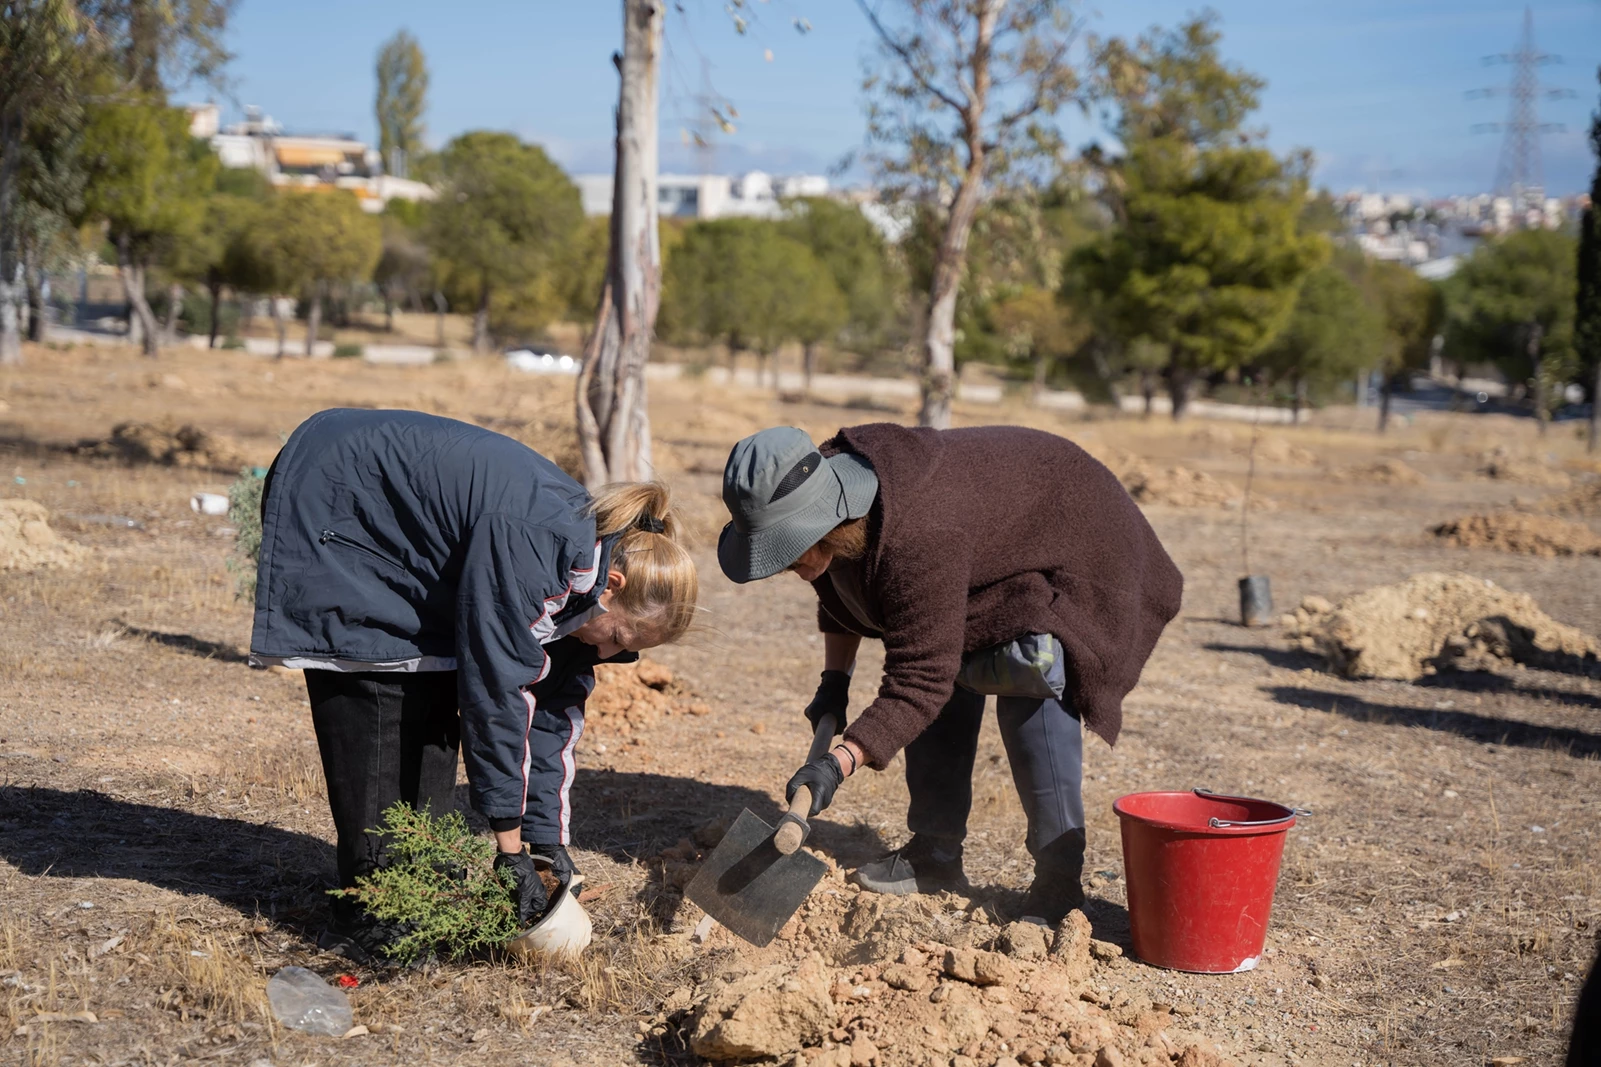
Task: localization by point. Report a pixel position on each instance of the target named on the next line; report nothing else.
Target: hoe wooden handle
(791, 832)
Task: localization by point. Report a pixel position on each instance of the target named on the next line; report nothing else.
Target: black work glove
(833, 694)
(556, 858)
(822, 775)
(527, 890)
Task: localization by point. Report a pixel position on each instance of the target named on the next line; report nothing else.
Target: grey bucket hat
(783, 496)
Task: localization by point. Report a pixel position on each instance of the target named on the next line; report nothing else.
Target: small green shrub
(233, 343)
(349, 351)
(440, 884)
(244, 513)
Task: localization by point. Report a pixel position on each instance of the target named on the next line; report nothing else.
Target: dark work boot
(923, 865)
(359, 937)
(1057, 887)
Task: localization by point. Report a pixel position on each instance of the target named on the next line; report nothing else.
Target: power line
(1519, 173)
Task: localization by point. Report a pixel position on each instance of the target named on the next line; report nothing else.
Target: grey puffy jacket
(406, 540)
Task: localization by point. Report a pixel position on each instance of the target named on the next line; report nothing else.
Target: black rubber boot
(1058, 880)
(923, 865)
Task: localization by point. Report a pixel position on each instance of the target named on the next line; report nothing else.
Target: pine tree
(439, 885)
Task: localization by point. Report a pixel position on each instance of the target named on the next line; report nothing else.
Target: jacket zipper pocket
(341, 539)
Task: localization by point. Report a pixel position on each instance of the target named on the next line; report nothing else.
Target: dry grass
(122, 699)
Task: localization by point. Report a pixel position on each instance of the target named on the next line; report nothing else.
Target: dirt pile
(1513, 531)
(1581, 501)
(1285, 453)
(167, 444)
(1416, 627)
(28, 543)
(1175, 486)
(977, 993)
(630, 697)
(1500, 464)
(1384, 472)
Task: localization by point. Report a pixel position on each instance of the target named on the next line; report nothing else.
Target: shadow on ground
(256, 869)
(1491, 729)
(1286, 659)
(197, 646)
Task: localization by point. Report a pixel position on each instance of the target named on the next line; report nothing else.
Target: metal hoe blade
(749, 886)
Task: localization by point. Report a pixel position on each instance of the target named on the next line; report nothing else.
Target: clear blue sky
(1376, 88)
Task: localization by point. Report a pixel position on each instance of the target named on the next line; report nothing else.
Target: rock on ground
(1411, 629)
(1513, 531)
(28, 543)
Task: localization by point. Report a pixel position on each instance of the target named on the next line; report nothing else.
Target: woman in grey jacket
(438, 583)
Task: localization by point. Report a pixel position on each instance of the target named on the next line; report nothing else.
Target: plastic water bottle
(302, 1001)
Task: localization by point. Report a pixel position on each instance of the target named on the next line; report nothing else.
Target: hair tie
(650, 524)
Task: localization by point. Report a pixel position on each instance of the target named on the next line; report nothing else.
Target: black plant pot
(1256, 600)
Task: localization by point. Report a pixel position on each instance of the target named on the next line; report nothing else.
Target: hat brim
(750, 557)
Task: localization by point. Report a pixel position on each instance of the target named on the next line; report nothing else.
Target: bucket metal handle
(1215, 823)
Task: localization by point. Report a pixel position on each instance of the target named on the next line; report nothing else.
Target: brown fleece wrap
(983, 535)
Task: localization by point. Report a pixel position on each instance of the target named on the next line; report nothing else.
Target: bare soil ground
(164, 839)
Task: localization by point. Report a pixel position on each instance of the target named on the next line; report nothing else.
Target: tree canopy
(402, 98)
(1513, 304)
(501, 227)
(1207, 253)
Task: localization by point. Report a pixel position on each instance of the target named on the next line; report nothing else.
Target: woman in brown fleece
(995, 560)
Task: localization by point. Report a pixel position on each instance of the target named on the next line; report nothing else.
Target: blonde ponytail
(662, 586)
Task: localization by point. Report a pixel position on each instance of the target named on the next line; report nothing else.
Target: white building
(754, 194)
(342, 161)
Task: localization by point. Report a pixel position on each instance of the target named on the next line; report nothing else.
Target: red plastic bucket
(1201, 870)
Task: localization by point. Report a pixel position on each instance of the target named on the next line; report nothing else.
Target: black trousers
(1044, 744)
(383, 737)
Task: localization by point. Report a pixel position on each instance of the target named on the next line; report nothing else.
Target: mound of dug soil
(630, 697)
(1414, 628)
(1502, 466)
(1514, 531)
(1286, 453)
(1175, 486)
(1384, 472)
(173, 446)
(895, 981)
(28, 543)
(1581, 500)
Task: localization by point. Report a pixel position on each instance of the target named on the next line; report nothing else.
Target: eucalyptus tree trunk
(481, 322)
(141, 320)
(613, 420)
(174, 305)
(279, 321)
(10, 154)
(33, 280)
(1542, 408)
(939, 339)
(809, 364)
(313, 319)
(214, 289)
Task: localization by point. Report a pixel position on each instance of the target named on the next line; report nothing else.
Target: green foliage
(504, 221)
(440, 884)
(349, 351)
(1413, 310)
(853, 253)
(146, 177)
(244, 514)
(404, 269)
(299, 239)
(1209, 248)
(1333, 333)
(402, 95)
(1513, 293)
(745, 283)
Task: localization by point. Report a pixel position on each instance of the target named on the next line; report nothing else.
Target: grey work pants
(1045, 745)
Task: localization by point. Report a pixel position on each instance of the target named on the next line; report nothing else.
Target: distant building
(317, 161)
(755, 194)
